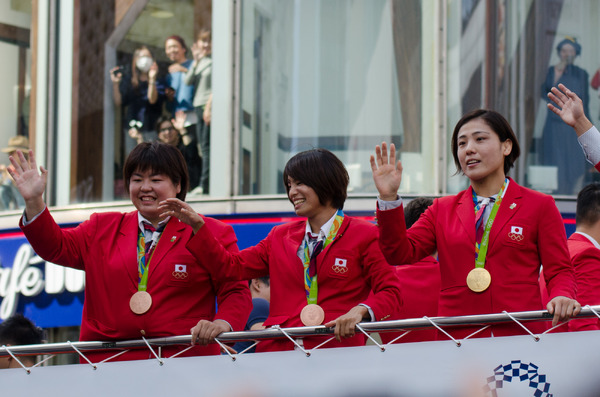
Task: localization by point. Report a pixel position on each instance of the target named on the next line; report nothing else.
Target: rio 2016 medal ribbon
(312, 315)
(140, 302)
(479, 279)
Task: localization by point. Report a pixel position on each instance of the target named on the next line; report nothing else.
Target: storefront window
(15, 84)
(335, 74)
(150, 83)
(506, 55)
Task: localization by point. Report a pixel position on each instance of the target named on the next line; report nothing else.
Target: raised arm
(179, 124)
(116, 76)
(152, 76)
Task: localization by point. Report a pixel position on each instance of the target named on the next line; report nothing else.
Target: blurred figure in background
(179, 95)
(10, 198)
(199, 76)
(260, 289)
(557, 148)
(173, 132)
(15, 331)
(420, 283)
(142, 95)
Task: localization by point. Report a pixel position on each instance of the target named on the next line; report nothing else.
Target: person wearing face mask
(142, 96)
(556, 148)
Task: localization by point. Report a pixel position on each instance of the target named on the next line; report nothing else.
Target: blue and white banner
(50, 295)
(562, 364)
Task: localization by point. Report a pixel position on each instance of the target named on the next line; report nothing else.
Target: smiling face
(175, 51)
(205, 45)
(306, 203)
(480, 152)
(146, 190)
(168, 134)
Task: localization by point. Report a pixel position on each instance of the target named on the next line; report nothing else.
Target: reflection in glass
(334, 74)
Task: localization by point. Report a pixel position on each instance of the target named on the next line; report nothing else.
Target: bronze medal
(479, 279)
(312, 315)
(140, 302)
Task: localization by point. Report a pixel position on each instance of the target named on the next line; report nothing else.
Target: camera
(118, 70)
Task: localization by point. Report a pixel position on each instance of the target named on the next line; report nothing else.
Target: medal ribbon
(485, 239)
(145, 255)
(310, 283)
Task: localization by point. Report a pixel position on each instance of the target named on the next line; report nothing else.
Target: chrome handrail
(270, 333)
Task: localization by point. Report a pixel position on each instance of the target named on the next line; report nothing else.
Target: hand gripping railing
(295, 334)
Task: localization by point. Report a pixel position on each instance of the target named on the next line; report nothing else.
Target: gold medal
(312, 315)
(479, 279)
(140, 302)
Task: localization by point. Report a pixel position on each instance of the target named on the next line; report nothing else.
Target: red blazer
(420, 283)
(585, 258)
(513, 262)
(105, 247)
(276, 256)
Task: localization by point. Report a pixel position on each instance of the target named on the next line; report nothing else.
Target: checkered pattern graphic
(521, 371)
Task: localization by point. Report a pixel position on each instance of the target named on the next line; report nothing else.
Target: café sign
(49, 294)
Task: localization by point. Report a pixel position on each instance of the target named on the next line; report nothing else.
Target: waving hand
(387, 173)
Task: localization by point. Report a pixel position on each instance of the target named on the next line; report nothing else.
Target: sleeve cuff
(370, 311)
(389, 205)
(225, 321)
(27, 222)
(590, 143)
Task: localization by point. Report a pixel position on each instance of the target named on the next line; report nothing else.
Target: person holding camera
(141, 95)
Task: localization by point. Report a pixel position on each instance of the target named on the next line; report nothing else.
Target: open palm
(387, 173)
(30, 183)
(566, 104)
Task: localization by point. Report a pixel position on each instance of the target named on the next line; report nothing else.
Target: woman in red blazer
(496, 269)
(120, 303)
(307, 287)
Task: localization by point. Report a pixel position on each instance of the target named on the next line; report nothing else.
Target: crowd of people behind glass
(185, 87)
(171, 105)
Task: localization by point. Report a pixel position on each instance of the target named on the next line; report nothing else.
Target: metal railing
(295, 333)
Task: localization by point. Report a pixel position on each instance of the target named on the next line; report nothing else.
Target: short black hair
(266, 280)
(588, 205)
(499, 125)
(323, 172)
(159, 158)
(415, 208)
(19, 330)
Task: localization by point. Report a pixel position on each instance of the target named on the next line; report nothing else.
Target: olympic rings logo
(180, 275)
(515, 237)
(339, 269)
